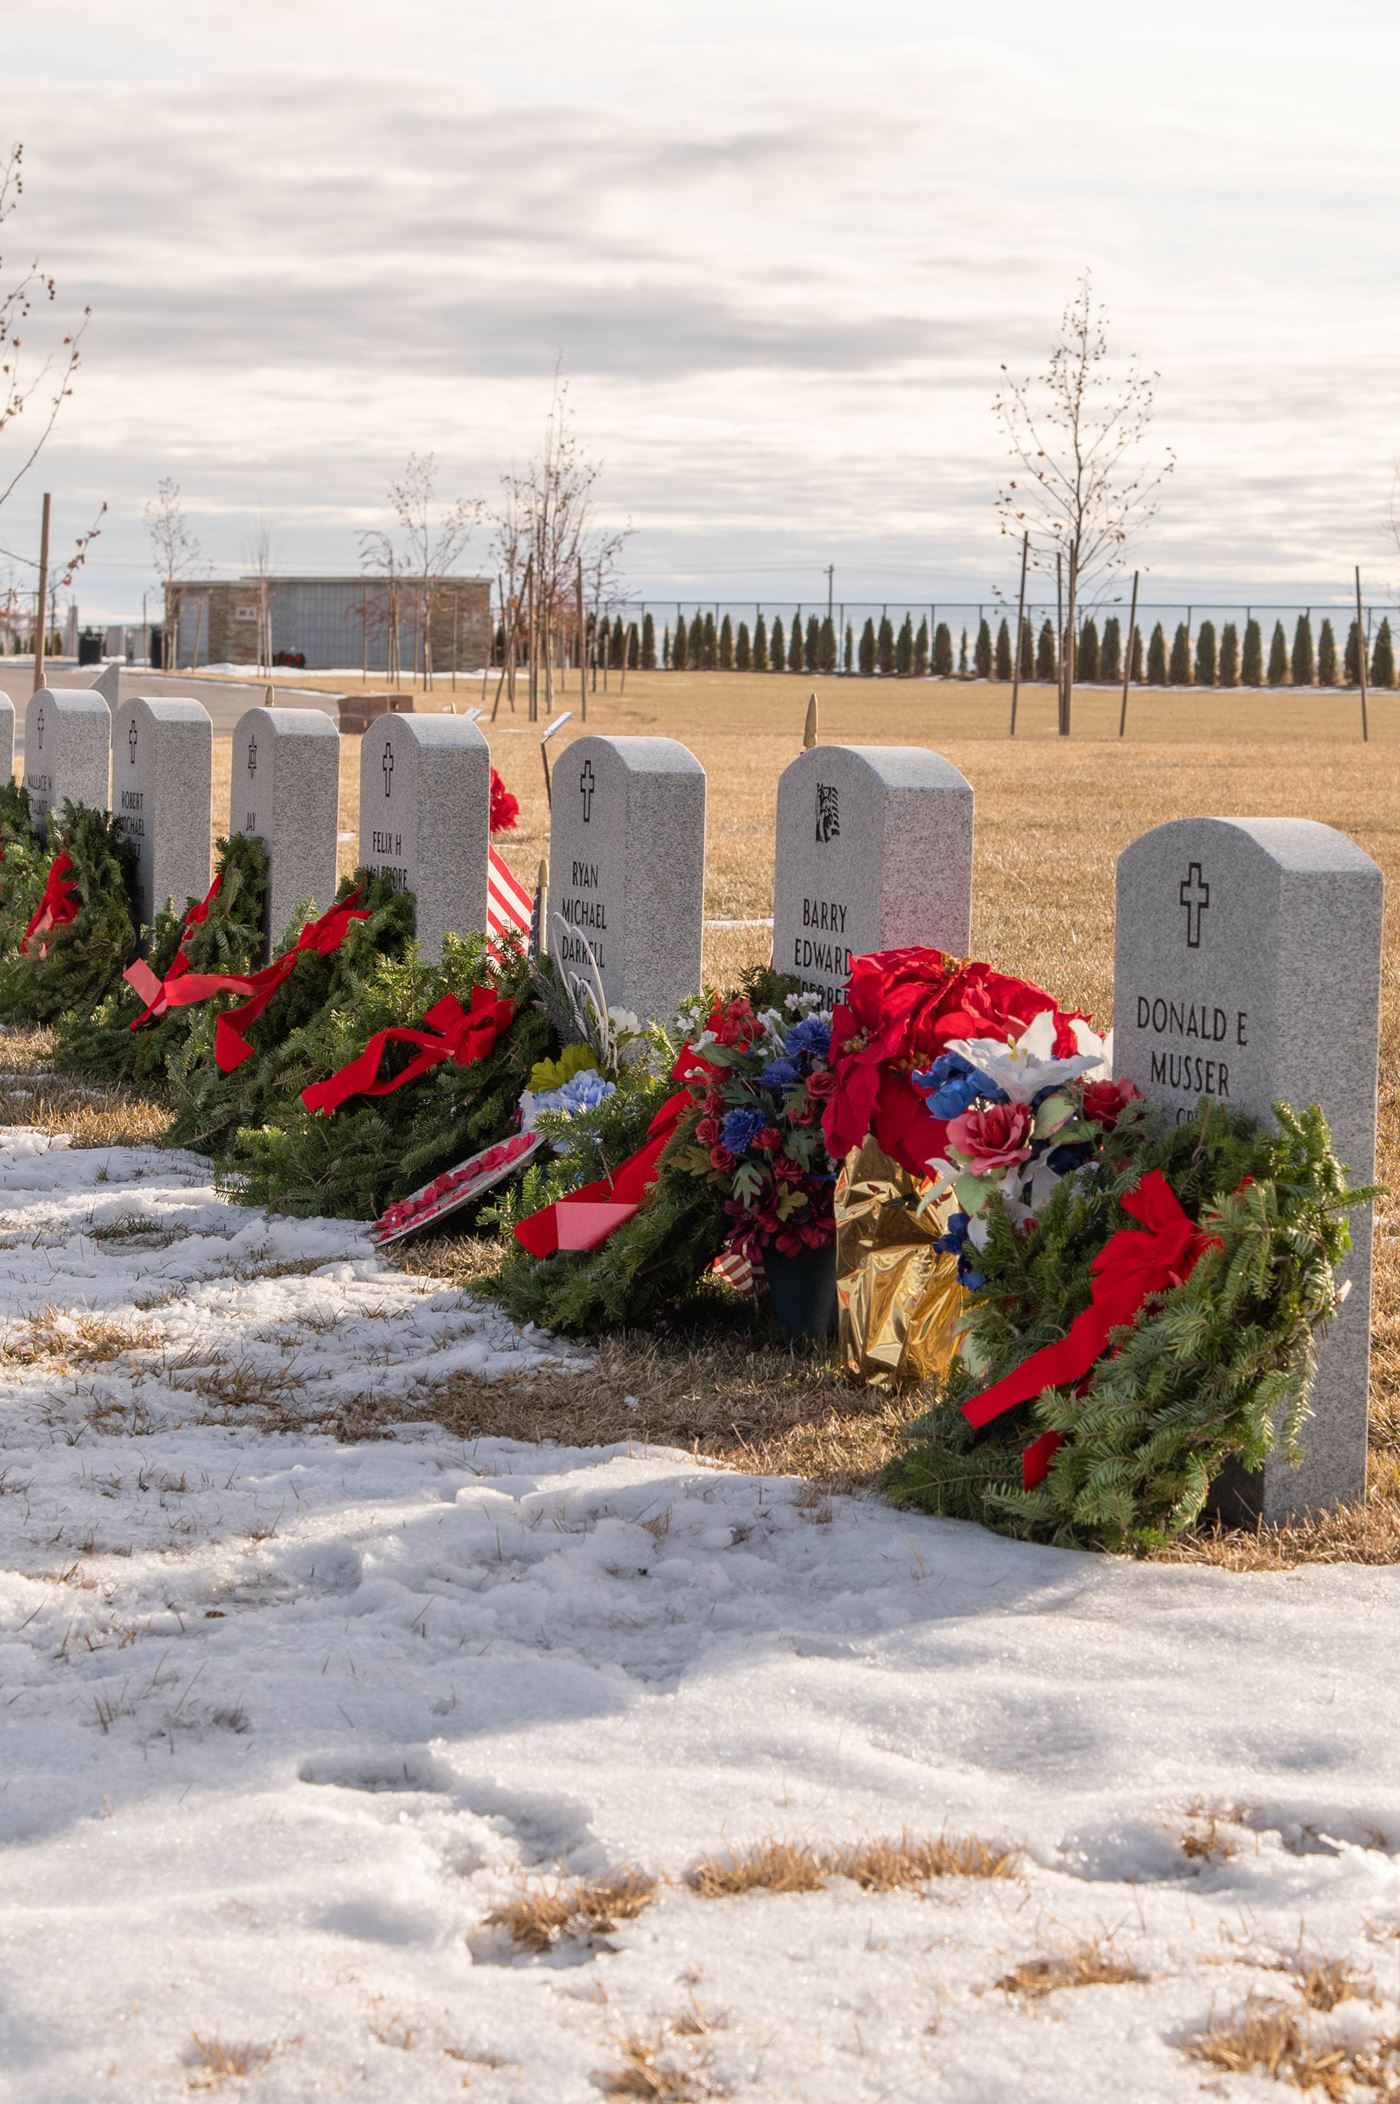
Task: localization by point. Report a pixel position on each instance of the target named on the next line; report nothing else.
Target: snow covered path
(283, 1720)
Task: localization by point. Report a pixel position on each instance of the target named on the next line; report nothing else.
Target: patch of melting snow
(284, 1720)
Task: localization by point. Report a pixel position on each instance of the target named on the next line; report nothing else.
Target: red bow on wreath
(184, 988)
(449, 1032)
(1133, 1264)
(56, 909)
(154, 991)
(586, 1218)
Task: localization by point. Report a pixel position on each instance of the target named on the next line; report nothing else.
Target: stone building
(331, 623)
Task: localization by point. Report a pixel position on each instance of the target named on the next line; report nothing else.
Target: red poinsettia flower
(505, 808)
(901, 1008)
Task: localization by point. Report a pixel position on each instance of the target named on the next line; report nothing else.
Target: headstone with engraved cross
(162, 754)
(873, 852)
(1248, 970)
(67, 751)
(286, 789)
(425, 816)
(627, 869)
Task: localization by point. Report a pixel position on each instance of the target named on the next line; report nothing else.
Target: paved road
(225, 699)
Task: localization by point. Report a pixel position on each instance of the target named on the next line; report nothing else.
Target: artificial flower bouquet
(758, 1140)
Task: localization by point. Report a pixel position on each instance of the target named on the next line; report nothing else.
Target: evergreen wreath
(374, 1150)
(1219, 1366)
(81, 960)
(22, 867)
(289, 1038)
(106, 1043)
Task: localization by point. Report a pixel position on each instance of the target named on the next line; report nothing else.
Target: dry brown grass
(60, 1343)
(649, 2068)
(882, 1865)
(1273, 2038)
(1205, 1837)
(95, 1116)
(215, 2062)
(573, 1911)
(1087, 1964)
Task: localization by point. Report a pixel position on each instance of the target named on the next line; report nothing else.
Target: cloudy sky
(781, 250)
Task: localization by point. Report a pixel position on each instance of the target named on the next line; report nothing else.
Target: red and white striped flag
(508, 903)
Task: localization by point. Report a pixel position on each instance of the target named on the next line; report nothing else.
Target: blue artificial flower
(951, 1086)
(579, 1093)
(812, 1034)
(739, 1128)
(954, 1234)
(780, 1074)
(1063, 1160)
(969, 1278)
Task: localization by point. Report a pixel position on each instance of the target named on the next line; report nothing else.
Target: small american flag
(735, 1271)
(508, 903)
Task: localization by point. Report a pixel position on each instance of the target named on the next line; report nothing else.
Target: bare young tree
(416, 565)
(175, 553)
(260, 556)
(35, 381)
(546, 530)
(1082, 491)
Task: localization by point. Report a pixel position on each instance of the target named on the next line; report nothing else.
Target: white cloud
(781, 250)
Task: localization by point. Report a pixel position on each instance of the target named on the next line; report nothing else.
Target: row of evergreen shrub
(1210, 658)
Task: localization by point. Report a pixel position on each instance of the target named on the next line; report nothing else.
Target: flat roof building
(331, 623)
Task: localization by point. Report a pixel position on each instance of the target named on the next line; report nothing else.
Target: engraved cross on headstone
(387, 763)
(586, 784)
(1195, 897)
(39, 719)
(252, 755)
(131, 741)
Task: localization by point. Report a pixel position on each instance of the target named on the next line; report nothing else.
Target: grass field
(1052, 818)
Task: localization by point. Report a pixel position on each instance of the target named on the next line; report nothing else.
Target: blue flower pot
(803, 1290)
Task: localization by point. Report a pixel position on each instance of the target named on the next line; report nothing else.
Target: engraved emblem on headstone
(1195, 897)
(131, 741)
(586, 783)
(40, 721)
(387, 763)
(252, 755)
(828, 813)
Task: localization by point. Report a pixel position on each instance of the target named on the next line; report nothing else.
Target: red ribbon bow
(184, 989)
(449, 1032)
(156, 992)
(587, 1217)
(1133, 1264)
(56, 909)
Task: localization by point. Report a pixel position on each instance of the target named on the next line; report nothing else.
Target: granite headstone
(1248, 970)
(67, 751)
(7, 738)
(873, 852)
(286, 789)
(627, 868)
(425, 818)
(108, 684)
(162, 758)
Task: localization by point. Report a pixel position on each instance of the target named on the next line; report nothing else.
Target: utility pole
(1020, 631)
(43, 620)
(1360, 639)
(1128, 657)
(830, 589)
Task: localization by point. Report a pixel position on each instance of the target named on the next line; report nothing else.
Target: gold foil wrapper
(899, 1297)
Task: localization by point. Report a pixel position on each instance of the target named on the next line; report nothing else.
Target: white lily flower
(1021, 1070)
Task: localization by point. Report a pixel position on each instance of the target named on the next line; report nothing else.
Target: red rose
(768, 1138)
(822, 1083)
(997, 1138)
(721, 1159)
(707, 1131)
(1105, 1101)
(787, 1170)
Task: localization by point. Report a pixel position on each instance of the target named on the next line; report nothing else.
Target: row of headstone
(1248, 951)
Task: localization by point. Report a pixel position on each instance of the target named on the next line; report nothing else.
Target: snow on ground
(284, 1719)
